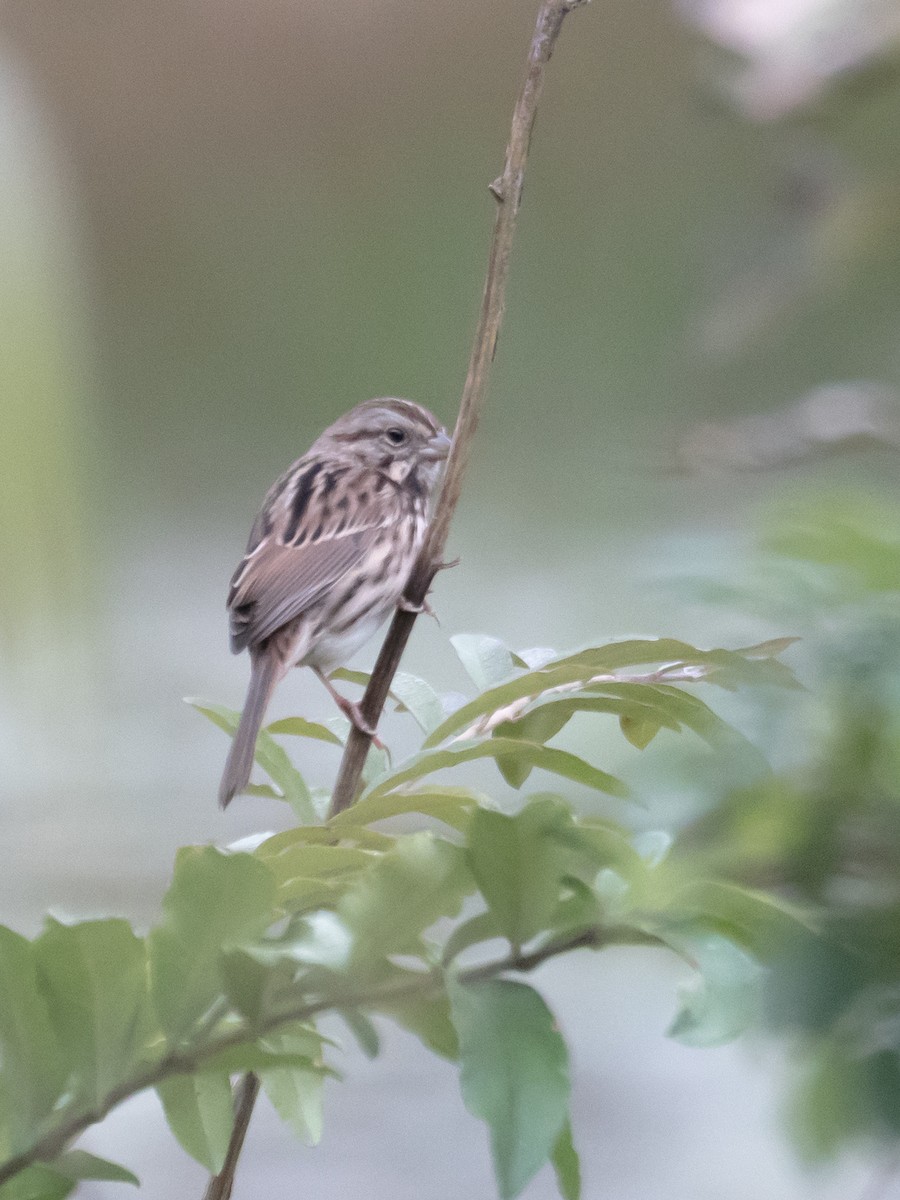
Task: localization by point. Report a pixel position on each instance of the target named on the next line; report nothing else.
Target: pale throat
(399, 469)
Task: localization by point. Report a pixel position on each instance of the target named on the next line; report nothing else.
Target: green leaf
(300, 727)
(39, 1182)
(418, 698)
(566, 1165)
(483, 927)
(452, 805)
(388, 906)
(94, 978)
(486, 659)
(363, 1030)
(428, 1017)
(724, 998)
(199, 1111)
(639, 733)
(33, 1074)
(319, 939)
(323, 835)
(602, 665)
(559, 762)
(215, 901)
(254, 1056)
(311, 862)
(296, 1095)
(519, 861)
(79, 1164)
(514, 1074)
(269, 755)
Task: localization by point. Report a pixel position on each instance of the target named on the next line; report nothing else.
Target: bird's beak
(437, 448)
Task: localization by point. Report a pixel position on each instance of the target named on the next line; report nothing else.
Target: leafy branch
(48, 1147)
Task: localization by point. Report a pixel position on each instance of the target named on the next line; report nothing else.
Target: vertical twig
(507, 191)
(220, 1186)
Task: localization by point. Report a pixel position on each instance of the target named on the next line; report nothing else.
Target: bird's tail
(265, 672)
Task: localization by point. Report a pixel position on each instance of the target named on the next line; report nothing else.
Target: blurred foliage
(336, 914)
(824, 832)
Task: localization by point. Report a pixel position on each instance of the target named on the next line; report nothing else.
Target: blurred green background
(223, 224)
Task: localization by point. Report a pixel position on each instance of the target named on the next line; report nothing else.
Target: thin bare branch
(507, 191)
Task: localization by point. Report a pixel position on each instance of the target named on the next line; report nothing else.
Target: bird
(329, 556)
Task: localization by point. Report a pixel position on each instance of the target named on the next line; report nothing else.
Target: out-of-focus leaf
(764, 922)
(832, 1103)
(483, 927)
(33, 1073)
(639, 733)
(388, 906)
(323, 835)
(452, 805)
(296, 1095)
(548, 758)
(418, 698)
(198, 1109)
(254, 1056)
(519, 861)
(215, 901)
(300, 727)
(428, 1017)
(566, 1165)
(79, 1164)
(486, 659)
(39, 1182)
(514, 1074)
(725, 997)
(94, 979)
(319, 939)
(311, 861)
(363, 1030)
(271, 757)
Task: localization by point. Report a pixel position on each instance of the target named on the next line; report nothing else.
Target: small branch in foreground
(427, 984)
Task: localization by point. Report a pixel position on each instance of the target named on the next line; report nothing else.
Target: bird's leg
(407, 606)
(351, 710)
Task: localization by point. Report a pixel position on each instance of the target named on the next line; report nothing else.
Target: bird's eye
(396, 437)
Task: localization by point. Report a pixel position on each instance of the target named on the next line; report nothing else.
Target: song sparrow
(329, 555)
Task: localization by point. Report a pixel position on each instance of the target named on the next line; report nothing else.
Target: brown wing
(276, 583)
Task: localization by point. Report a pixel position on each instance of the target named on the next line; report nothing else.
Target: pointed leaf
(296, 1095)
(271, 757)
(418, 698)
(363, 1030)
(519, 863)
(548, 758)
(79, 1164)
(199, 1111)
(428, 1017)
(388, 906)
(566, 1165)
(300, 727)
(452, 805)
(514, 1074)
(608, 664)
(33, 1075)
(486, 659)
(724, 998)
(94, 978)
(215, 901)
